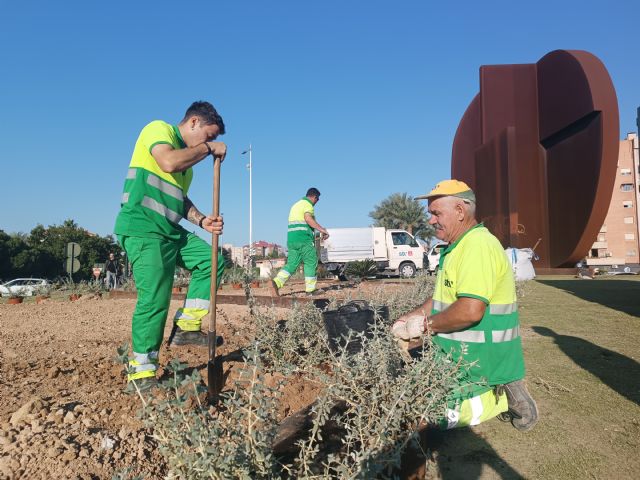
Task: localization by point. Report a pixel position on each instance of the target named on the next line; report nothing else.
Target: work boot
(522, 408)
(193, 338)
(142, 384)
(274, 289)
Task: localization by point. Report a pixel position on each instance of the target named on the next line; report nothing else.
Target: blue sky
(360, 99)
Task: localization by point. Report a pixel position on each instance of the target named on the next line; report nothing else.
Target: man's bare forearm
(314, 224)
(191, 213)
(178, 160)
(463, 313)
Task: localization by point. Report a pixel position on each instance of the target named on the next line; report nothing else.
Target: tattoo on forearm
(191, 213)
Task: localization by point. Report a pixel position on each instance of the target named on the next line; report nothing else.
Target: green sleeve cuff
(157, 143)
(471, 295)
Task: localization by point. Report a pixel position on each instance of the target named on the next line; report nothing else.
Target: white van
(396, 252)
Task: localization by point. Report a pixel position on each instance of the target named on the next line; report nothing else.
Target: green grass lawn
(582, 350)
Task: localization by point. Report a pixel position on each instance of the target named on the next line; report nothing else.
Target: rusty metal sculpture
(539, 145)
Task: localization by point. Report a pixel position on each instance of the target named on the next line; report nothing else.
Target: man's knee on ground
(475, 410)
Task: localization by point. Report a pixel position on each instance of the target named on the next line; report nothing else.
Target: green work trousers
(154, 262)
(305, 253)
(300, 252)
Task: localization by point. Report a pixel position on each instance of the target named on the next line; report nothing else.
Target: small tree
(401, 210)
(361, 269)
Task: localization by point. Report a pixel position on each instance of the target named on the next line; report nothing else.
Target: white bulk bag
(520, 259)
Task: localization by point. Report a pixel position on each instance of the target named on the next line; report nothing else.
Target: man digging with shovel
(153, 203)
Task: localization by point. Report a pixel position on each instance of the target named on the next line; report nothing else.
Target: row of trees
(42, 252)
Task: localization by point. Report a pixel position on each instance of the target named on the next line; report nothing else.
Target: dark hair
(313, 192)
(206, 113)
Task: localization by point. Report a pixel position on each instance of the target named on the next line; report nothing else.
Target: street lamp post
(250, 168)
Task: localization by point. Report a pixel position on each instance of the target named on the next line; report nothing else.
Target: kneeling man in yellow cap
(473, 315)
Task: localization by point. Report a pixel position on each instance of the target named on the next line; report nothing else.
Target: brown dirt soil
(62, 410)
(63, 415)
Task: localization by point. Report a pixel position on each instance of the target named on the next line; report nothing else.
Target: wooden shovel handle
(214, 241)
(211, 335)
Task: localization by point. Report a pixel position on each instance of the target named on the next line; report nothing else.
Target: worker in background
(111, 268)
(473, 315)
(153, 204)
(301, 243)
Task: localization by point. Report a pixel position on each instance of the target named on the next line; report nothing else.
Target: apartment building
(237, 253)
(617, 246)
(264, 249)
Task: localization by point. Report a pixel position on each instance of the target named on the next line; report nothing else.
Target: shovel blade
(215, 377)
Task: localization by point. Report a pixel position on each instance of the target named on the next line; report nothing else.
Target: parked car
(25, 287)
(433, 257)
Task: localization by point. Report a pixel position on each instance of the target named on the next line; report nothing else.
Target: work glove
(412, 327)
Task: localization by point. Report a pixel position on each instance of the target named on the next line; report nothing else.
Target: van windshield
(403, 238)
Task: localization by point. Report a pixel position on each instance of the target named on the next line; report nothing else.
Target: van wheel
(407, 270)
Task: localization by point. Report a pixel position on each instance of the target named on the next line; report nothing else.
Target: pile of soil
(62, 410)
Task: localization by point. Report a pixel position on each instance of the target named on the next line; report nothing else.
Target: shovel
(215, 374)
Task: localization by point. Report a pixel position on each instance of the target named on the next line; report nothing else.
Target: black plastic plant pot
(351, 319)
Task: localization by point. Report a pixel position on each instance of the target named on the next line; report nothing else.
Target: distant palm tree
(402, 211)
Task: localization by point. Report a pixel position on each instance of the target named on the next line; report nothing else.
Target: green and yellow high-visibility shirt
(153, 201)
(299, 230)
(476, 266)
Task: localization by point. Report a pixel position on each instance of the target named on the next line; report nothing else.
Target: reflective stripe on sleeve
(469, 336)
(125, 197)
(165, 187)
(503, 309)
(440, 306)
(505, 335)
(157, 207)
(131, 173)
(493, 308)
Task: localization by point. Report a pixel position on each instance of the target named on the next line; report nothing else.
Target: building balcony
(599, 245)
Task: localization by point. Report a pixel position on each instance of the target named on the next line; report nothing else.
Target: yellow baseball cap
(451, 188)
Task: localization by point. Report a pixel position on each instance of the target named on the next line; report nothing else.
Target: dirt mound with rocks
(62, 410)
